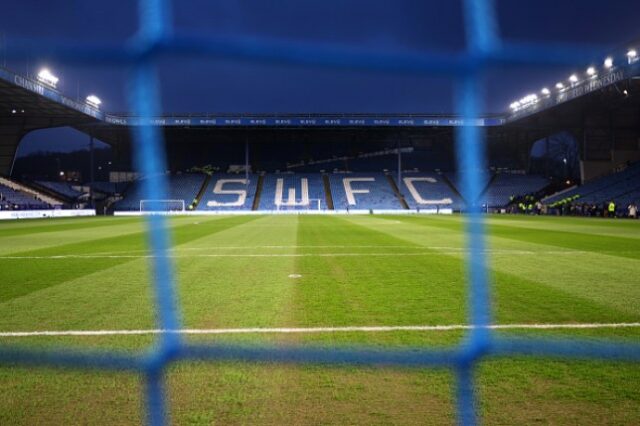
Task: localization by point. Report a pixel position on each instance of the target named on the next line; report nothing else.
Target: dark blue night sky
(209, 85)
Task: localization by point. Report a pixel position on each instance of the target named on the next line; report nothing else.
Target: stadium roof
(28, 99)
(27, 104)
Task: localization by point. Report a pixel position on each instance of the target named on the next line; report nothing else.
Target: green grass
(91, 274)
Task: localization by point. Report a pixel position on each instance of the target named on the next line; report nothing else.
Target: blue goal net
(485, 49)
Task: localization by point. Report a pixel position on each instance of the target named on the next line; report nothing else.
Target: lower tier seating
(363, 191)
(181, 187)
(229, 192)
(290, 191)
(428, 191)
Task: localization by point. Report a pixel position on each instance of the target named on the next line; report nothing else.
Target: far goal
(313, 204)
(162, 206)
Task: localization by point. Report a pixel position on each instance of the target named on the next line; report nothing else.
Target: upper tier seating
(506, 185)
(621, 187)
(229, 192)
(180, 187)
(109, 187)
(424, 191)
(455, 180)
(11, 199)
(362, 191)
(289, 191)
(62, 188)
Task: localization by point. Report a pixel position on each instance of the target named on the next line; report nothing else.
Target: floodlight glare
(559, 86)
(94, 101)
(573, 78)
(608, 63)
(545, 91)
(591, 71)
(45, 76)
(632, 53)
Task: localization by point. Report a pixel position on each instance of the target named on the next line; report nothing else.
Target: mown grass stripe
(40, 228)
(523, 289)
(24, 276)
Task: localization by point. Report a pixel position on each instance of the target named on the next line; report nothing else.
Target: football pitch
(380, 281)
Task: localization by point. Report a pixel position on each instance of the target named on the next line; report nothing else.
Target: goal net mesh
(313, 204)
(155, 39)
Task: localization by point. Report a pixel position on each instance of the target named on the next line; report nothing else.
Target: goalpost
(314, 204)
(162, 206)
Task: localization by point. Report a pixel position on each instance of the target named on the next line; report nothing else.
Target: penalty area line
(286, 330)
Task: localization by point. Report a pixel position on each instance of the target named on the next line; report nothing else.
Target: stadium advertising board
(40, 214)
(302, 121)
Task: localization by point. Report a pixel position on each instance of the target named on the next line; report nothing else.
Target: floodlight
(632, 53)
(94, 101)
(545, 91)
(608, 63)
(45, 76)
(573, 78)
(591, 71)
(559, 86)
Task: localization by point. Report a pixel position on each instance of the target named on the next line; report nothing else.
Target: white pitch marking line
(236, 255)
(369, 329)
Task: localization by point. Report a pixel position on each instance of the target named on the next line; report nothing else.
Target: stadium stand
(368, 191)
(181, 187)
(485, 50)
(454, 180)
(428, 191)
(362, 191)
(505, 185)
(61, 188)
(290, 191)
(12, 199)
(109, 187)
(229, 192)
(26, 197)
(427, 160)
(623, 187)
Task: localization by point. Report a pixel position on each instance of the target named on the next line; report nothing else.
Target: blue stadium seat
(61, 188)
(621, 187)
(506, 185)
(454, 179)
(11, 199)
(362, 191)
(180, 187)
(424, 191)
(292, 192)
(229, 192)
